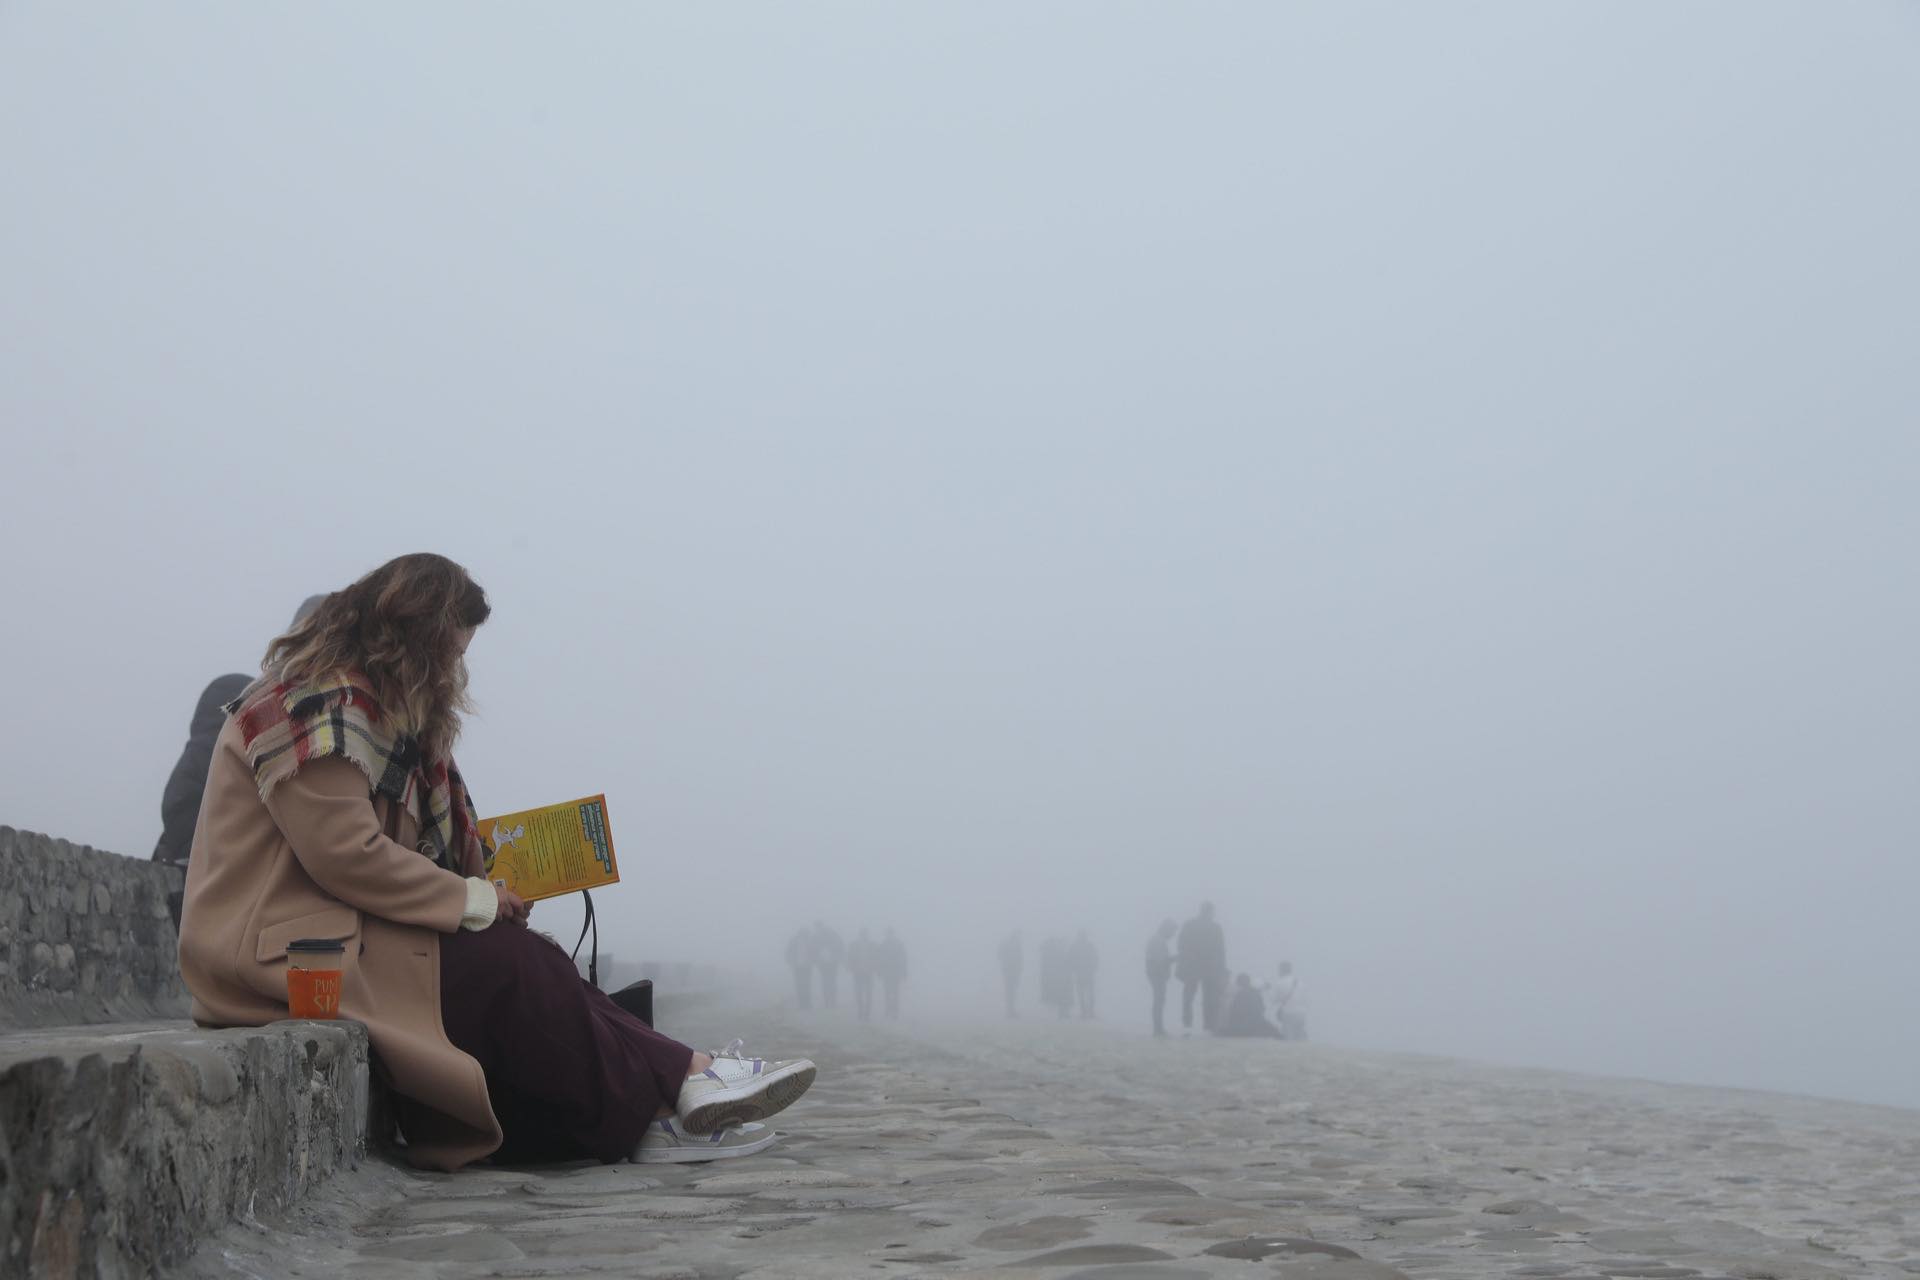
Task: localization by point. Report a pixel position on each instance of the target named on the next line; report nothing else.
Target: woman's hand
(511, 908)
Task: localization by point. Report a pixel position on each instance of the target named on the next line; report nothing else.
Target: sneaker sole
(762, 1098)
(700, 1155)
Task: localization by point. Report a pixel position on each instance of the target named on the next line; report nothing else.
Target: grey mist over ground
(1435, 480)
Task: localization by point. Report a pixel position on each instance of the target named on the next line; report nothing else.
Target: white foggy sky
(1436, 479)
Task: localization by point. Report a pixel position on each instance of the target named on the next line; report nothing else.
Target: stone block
(121, 1147)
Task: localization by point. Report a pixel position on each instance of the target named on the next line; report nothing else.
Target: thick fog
(1436, 480)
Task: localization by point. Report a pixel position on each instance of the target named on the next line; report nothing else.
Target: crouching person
(1247, 1013)
(334, 810)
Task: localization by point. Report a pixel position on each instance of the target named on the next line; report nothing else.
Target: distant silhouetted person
(890, 966)
(1159, 969)
(1084, 961)
(1286, 1003)
(1012, 957)
(828, 951)
(1201, 967)
(860, 959)
(800, 960)
(1247, 1013)
(1056, 977)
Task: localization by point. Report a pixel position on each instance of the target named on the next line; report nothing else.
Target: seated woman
(1247, 1013)
(334, 810)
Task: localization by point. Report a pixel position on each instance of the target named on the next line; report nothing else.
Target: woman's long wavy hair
(400, 626)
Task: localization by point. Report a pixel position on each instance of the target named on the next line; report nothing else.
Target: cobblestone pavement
(1029, 1149)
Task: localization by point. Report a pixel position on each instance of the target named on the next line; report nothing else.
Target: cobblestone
(1029, 1150)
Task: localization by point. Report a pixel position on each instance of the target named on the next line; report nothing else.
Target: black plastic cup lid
(318, 944)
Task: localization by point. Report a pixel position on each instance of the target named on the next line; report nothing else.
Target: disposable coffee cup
(313, 977)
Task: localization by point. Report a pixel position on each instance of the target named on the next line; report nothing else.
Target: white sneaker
(667, 1143)
(738, 1089)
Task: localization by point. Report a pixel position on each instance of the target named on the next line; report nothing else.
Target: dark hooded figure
(180, 802)
(1247, 1013)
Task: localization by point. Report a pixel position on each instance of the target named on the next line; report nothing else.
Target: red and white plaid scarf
(285, 725)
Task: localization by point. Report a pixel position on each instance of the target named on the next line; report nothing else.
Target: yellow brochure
(545, 852)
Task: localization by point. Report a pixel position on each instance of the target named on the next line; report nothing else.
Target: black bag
(636, 999)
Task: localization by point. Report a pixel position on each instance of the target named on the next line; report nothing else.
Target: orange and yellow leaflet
(545, 852)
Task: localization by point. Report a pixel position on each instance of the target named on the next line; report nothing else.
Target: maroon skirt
(570, 1074)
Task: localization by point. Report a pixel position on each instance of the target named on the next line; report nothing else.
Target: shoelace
(734, 1049)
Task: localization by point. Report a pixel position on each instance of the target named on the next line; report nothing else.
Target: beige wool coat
(324, 858)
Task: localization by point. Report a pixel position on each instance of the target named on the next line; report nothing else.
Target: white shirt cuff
(482, 904)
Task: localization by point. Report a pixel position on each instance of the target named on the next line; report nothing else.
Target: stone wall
(127, 1134)
(85, 936)
(121, 1149)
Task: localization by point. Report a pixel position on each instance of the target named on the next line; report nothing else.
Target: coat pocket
(341, 923)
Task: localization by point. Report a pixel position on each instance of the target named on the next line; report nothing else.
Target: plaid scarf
(285, 725)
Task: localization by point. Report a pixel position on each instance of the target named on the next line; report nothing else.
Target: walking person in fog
(828, 950)
(890, 966)
(1159, 969)
(1084, 961)
(1201, 967)
(1056, 977)
(1012, 958)
(860, 960)
(800, 960)
(1287, 1010)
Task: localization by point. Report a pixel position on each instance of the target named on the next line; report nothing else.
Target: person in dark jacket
(1202, 967)
(180, 802)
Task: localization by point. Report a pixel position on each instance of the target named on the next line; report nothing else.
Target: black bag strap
(593, 956)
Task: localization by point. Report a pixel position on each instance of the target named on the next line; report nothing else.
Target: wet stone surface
(1028, 1150)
